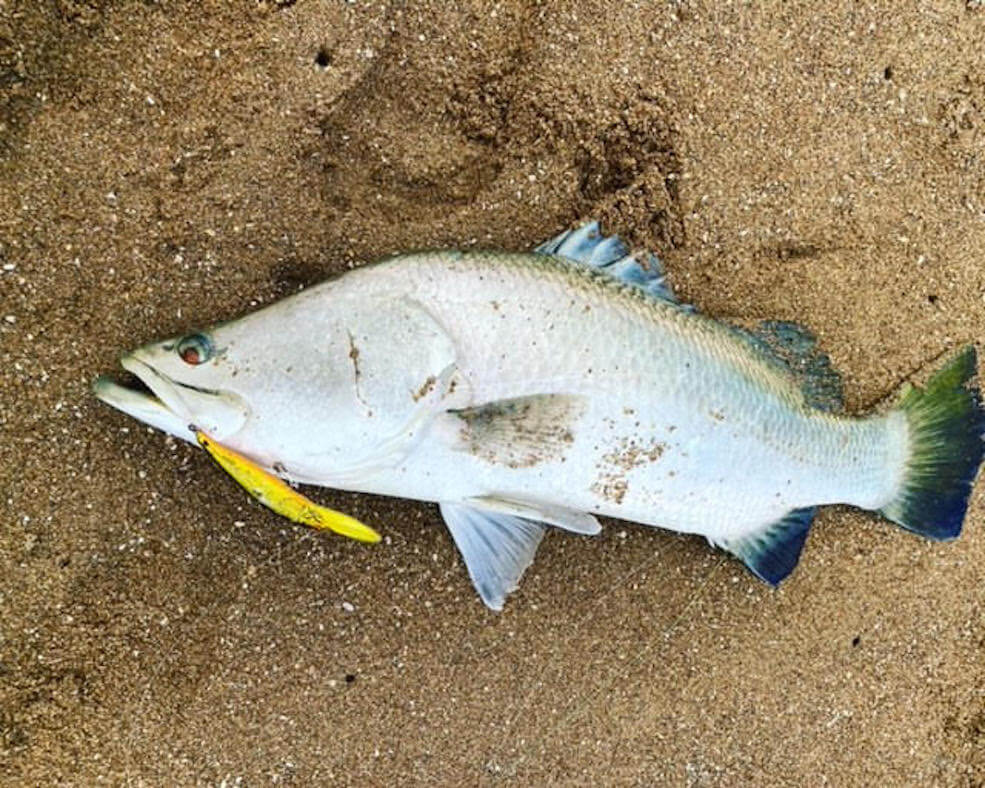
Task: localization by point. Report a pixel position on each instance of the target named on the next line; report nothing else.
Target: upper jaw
(175, 408)
(166, 390)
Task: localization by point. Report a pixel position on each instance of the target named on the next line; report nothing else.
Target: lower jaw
(144, 407)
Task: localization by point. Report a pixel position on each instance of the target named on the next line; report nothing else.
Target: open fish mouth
(175, 408)
(141, 403)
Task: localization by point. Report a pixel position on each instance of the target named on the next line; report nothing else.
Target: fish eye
(195, 349)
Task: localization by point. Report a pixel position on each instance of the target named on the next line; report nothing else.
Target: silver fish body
(634, 408)
(520, 390)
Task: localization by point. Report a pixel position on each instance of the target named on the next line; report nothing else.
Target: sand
(164, 165)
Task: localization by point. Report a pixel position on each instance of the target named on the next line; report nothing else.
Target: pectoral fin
(496, 548)
(280, 497)
(521, 432)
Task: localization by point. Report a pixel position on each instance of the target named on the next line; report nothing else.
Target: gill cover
(402, 372)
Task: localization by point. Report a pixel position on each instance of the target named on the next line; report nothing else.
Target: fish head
(311, 383)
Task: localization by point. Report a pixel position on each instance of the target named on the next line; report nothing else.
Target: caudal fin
(946, 425)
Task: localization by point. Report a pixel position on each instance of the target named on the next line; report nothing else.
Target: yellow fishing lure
(280, 497)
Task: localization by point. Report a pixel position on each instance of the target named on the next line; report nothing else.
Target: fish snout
(220, 413)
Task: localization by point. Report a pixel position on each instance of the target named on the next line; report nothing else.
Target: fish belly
(667, 467)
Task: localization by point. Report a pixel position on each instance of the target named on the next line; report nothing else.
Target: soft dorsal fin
(587, 245)
(497, 548)
(790, 345)
(772, 552)
(795, 348)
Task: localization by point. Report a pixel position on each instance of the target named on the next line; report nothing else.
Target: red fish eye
(195, 349)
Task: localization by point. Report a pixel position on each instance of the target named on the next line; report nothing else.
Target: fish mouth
(178, 409)
(139, 401)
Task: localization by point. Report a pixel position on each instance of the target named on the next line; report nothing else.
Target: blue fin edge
(772, 552)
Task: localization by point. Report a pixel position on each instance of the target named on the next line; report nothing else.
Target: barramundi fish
(537, 390)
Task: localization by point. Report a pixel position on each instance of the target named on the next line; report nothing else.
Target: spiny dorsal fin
(609, 254)
(772, 552)
(795, 349)
(790, 345)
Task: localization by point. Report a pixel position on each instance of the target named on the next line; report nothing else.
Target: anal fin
(772, 552)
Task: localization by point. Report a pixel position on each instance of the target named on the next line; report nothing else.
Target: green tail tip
(946, 427)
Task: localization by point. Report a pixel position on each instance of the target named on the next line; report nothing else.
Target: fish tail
(946, 425)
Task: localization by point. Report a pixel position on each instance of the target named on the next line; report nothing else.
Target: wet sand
(163, 166)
